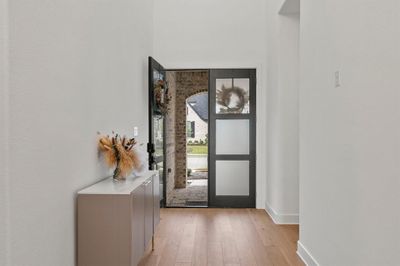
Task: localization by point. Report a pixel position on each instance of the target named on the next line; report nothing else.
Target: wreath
(161, 95)
(233, 99)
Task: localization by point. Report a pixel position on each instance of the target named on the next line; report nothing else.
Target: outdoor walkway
(195, 194)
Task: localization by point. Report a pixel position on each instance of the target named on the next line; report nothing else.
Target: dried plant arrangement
(119, 153)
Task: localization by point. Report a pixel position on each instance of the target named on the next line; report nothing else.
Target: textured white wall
(350, 135)
(76, 67)
(217, 34)
(3, 131)
(282, 200)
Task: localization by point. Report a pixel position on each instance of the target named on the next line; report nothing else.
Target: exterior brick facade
(186, 84)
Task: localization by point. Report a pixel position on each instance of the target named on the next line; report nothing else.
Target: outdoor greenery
(197, 149)
(198, 142)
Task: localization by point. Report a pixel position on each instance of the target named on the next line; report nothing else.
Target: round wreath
(225, 97)
(161, 96)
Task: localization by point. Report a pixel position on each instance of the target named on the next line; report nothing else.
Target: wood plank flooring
(246, 237)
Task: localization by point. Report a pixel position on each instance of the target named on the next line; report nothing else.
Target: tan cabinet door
(148, 211)
(138, 224)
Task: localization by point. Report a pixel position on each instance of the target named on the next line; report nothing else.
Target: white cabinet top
(111, 186)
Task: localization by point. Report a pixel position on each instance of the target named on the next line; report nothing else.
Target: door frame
(208, 131)
(253, 136)
(153, 64)
(233, 201)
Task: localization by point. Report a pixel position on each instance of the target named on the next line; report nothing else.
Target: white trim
(281, 218)
(305, 255)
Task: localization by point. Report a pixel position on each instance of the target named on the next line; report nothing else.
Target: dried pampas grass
(118, 153)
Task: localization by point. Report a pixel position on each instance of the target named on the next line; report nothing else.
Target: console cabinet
(116, 220)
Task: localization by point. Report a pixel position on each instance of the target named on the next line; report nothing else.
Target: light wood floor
(222, 237)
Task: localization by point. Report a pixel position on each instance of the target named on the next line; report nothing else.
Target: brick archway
(187, 85)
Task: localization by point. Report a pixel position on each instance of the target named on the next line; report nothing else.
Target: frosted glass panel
(232, 178)
(232, 136)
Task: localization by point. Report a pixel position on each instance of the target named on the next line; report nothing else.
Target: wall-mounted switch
(135, 131)
(337, 79)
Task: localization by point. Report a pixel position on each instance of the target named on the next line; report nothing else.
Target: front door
(232, 140)
(156, 145)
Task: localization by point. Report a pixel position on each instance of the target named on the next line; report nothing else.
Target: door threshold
(185, 207)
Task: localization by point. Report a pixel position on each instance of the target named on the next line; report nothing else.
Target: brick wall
(187, 84)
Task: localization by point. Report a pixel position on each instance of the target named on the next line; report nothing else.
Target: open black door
(156, 145)
(232, 139)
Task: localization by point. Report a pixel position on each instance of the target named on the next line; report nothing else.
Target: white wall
(3, 131)
(201, 126)
(350, 135)
(76, 67)
(217, 34)
(282, 201)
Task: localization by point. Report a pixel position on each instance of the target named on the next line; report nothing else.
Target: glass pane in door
(232, 178)
(221, 85)
(242, 87)
(232, 136)
(232, 96)
(160, 169)
(158, 135)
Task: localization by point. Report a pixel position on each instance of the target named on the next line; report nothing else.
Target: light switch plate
(135, 131)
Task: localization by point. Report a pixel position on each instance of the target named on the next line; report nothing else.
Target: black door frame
(154, 65)
(232, 201)
(223, 201)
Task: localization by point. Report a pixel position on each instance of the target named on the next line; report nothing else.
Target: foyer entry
(212, 164)
(186, 136)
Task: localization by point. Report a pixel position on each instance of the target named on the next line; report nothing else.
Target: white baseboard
(281, 218)
(305, 255)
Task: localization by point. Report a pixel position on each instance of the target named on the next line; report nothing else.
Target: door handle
(150, 147)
